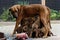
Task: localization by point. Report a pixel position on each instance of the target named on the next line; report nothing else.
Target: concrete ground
(7, 28)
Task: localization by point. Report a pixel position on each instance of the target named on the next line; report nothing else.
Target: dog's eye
(16, 10)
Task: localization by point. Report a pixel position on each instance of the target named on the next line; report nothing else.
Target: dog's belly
(30, 15)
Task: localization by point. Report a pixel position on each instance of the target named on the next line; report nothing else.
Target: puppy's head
(14, 10)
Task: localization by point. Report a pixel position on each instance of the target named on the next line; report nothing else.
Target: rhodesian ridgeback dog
(25, 11)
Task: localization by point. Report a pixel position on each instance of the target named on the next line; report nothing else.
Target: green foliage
(58, 16)
(6, 16)
(55, 15)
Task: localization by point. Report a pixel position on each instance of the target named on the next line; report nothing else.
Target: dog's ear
(14, 11)
(9, 9)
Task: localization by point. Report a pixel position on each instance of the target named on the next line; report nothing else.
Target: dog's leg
(18, 20)
(37, 32)
(51, 34)
(30, 33)
(46, 31)
(49, 18)
(43, 17)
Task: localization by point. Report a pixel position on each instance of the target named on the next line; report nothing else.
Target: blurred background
(54, 6)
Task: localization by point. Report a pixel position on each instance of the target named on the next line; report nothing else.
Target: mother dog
(23, 11)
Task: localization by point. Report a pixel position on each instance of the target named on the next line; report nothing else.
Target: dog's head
(14, 10)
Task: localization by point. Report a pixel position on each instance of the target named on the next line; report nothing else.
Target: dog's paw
(44, 36)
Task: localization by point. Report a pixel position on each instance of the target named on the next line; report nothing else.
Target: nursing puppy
(24, 11)
(26, 25)
(40, 29)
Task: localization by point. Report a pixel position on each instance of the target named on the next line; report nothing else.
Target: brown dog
(21, 11)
